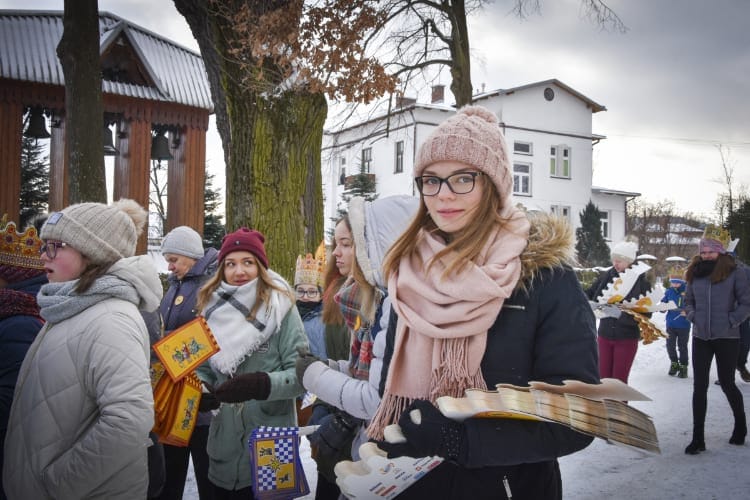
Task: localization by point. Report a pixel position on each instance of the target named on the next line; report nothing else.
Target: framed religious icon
(186, 348)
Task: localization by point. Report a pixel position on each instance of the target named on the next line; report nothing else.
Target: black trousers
(726, 352)
(177, 459)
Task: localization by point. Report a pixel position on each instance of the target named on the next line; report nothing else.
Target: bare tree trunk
(84, 113)
(459, 49)
(272, 148)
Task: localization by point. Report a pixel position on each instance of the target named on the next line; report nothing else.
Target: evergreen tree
(213, 229)
(738, 223)
(34, 180)
(590, 245)
(362, 184)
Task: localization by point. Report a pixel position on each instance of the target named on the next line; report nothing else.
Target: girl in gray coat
(717, 300)
(83, 405)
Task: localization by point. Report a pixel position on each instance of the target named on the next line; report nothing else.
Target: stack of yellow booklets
(599, 410)
(177, 389)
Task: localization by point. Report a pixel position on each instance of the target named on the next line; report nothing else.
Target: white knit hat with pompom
(102, 233)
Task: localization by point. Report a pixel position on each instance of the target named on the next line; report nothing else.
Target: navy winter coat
(549, 335)
(178, 305)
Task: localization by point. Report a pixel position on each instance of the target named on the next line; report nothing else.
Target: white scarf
(237, 337)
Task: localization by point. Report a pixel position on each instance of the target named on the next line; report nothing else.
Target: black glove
(306, 358)
(208, 402)
(435, 434)
(256, 385)
(335, 432)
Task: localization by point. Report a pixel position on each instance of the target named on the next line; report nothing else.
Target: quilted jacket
(83, 405)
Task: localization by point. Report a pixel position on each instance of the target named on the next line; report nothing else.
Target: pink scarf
(442, 330)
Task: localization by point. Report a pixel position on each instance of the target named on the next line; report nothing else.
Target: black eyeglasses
(460, 183)
(313, 294)
(50, 248)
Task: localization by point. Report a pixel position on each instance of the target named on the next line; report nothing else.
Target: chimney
(402, 101)
(438, 94)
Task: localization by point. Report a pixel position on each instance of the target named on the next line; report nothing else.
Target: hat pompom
(133, 210)
(480, 112)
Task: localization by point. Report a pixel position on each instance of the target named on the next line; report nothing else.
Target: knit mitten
(244, 387)
(431, 434)
(306, 358)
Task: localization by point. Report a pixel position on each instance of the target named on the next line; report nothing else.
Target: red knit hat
(246, 239)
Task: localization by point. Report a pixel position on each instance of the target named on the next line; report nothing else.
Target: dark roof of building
(135, 61)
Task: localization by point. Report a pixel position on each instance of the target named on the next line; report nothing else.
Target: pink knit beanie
(472, 136)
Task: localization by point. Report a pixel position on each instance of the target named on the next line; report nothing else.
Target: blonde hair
(483, 222)
(266, 285)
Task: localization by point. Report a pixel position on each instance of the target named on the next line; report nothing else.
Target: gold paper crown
(309, 270)
(676, 272)
(713, 232)
(19, 249)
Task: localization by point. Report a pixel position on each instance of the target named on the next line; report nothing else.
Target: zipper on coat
(506, 484)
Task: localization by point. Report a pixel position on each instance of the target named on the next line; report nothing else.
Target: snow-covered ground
(616, 472)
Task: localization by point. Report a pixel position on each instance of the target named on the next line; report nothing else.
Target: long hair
(332, 283)
(482, 223)
(725, 265)
(90, 274)
(266, 286)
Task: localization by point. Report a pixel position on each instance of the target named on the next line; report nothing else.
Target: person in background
(352, 385)
(190, 266)
(249, 309)
(678, 326)
(308, 288)
(337, 343)
(21, 276)
(745, 325)
(480, 297)
(618, 334)
(83, 405)
(717, 301)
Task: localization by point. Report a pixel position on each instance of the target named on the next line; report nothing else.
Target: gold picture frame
(186, 348)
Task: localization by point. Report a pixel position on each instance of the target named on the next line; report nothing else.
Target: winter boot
(695, 447)
(682, 371)
(698, 444)
(740, 431)
(673, 368)
(744, 374)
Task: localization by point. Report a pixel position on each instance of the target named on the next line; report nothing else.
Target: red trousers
(616, 357)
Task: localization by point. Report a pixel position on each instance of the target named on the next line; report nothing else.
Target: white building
(547, 126)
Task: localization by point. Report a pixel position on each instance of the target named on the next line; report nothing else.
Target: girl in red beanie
(250, 311)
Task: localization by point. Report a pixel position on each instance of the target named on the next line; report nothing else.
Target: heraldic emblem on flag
(275, 463)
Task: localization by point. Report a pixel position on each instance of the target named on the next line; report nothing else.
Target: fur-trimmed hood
(551, 245)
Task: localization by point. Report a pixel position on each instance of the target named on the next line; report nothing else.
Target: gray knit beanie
(102, 233)
(472, 136)
(183, 240)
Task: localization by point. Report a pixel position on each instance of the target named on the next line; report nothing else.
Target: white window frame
(561, 211)
(367, 159)
(518, 178)
(398, 166)
(605, 217)
(342, 170)
(560, 163)
(530, 145)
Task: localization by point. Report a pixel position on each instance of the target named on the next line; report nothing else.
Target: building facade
(548, 129)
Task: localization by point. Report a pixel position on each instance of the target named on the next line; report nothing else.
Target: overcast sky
(674, 85)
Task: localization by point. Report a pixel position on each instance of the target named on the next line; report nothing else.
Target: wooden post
(11, 123)
(132, 169)
(185, 182)
(58, 168)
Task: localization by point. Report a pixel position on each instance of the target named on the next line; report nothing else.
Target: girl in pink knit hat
(480, 296)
